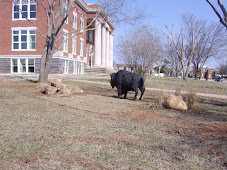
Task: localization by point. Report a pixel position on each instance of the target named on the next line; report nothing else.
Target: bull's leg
(125, 94)
(119, 92)
(136, 93)
(142, 89)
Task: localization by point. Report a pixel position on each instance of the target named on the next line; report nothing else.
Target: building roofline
(87, 9)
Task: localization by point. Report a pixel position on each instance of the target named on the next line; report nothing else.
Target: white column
(107, 48)
(103, 46)
(98, 43)
(111, 51)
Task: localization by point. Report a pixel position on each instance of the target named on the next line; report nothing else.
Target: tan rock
(50, 90)
(56, 83)
(174, 102)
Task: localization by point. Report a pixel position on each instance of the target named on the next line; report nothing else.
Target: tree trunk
(44, 67)
(46, 60)
(184, 74)
(159, 69)
(197, 71)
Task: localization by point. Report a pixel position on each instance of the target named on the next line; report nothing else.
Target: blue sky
(169, 12)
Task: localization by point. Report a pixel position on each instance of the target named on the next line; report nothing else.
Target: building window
(81, 68)
(75, 67)
(23, 9)
(74, 20)
(78, 68)
(24, 40)
(90, 36)
(66, 11)
(74, 44)
(31, 65)
(23, 65)
(65, 41)
(81, 47)
(81, 24)
(66, 66)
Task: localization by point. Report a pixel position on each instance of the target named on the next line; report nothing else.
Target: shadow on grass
(32, 81)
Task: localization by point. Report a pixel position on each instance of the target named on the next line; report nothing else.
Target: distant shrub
(191, 98)
(159, 101)
(178, 91)
(67, 90)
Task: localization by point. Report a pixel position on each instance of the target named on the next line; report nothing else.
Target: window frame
(20, 67)
(66, 66)
(81, 47)
(74, 20)
(65, 47)
(20, 10)
(75, 67)
(74, 44)
(19, 38)
(81, 24)
(82, 65)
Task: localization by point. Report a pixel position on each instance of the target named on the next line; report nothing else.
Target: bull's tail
(142, 82)
(142, 87)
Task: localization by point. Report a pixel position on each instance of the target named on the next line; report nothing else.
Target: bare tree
(56, 13)
(184, 44)
(212, 42)
(178, 45)
(121, 11)
(223, 15)
(174, 62)
(223, 68)
(139, 48)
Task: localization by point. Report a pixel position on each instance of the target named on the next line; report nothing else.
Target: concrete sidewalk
(165, 90)
(10, 77)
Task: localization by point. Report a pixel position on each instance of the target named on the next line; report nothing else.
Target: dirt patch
(216, 129)
(88, 139)
(144, 115)
(99, 140)
(85, 163)
(210, 137)
(5, 165)
(27, 159)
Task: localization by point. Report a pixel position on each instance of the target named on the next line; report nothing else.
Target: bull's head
(112, 80)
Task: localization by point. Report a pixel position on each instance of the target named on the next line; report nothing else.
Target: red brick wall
(7, 22)
(6, 33)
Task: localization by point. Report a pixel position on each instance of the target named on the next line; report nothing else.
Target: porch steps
(99, 70)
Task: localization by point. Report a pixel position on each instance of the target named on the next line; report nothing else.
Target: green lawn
(171, 83)
(202, 86)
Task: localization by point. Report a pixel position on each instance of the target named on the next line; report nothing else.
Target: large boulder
(50, 90)
(174, 102)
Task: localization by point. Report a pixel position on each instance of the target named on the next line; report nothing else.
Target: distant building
(127, 67)
(208, 73)
(130, 68)
(21, 46)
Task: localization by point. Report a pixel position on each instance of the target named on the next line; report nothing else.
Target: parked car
(218, 79)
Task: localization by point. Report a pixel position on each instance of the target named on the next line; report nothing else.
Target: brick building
(207, 73)
(21, 45)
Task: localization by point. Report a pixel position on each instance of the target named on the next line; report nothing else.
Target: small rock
(50, 90)
(57, 83)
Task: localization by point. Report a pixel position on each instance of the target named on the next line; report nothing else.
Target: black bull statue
(126, 81)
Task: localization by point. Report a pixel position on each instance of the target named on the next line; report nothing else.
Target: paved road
(10, 77)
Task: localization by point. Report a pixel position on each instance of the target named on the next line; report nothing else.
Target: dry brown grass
(96, 130)
(191, 98)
